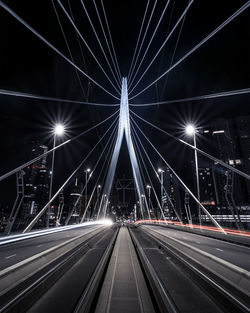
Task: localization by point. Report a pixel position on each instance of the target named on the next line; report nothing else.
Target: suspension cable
(165, 85)
(143, 39)
(115, 64)
(201, 43)
(80, 48)
(109, 149)
(69, 50)
(18, 18)
(87, 46)
(149, 44)
(144, 165)
(99, 42)
(164, 43)
(36, 218)
(39, 97)
(110, 37)
(145, 152)
(138, 39)
(19, 168)
(231, 168)
(181, 181)
(144, 180)
(91, 174)
(203, 97)
(112, 147)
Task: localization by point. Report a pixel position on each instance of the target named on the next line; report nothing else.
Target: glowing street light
(191, 131)
(58, 131)
(86, 185)
(161, 171)
(149, 193)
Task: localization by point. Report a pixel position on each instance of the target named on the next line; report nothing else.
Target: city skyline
(216, 67)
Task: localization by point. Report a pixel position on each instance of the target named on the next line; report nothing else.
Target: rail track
(125, 269)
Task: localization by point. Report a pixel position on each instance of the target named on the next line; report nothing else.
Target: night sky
(28, 65)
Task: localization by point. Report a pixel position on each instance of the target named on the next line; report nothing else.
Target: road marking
(10, 256)
(198, 242)
(39, 246)
(219, 249)
(184, 237)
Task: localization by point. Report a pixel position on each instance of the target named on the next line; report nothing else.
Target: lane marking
(10, 256)
(39, 246)
(217, 259)
(198, 242)
(219, 249)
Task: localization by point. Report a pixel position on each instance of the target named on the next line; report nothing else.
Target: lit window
(218, 132)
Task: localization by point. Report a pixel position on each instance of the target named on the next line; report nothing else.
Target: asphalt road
(232, 253)
(177, 283)
(13, 253)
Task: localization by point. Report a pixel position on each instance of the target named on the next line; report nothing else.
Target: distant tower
(36, 186)
(174, 199)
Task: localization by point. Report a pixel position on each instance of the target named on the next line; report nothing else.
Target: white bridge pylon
(124, 129)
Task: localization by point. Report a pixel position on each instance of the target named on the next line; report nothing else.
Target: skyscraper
(173, 200)
(36, 186)
(229, 141)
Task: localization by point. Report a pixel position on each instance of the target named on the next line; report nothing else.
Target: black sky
(28, 65)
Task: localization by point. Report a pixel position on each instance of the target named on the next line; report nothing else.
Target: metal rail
(30, 290)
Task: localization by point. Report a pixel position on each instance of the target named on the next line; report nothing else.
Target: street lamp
(161, 171)
(86, 185)
(149, 193)
(58, 131)
(191, 131)
(98, 191)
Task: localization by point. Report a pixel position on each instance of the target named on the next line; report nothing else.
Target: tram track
(126, 269)
(226, 296)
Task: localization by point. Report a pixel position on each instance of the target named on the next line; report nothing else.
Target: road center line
(219, 249)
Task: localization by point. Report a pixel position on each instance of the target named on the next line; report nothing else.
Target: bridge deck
(124, 288)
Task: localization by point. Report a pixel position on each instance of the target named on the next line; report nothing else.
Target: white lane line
(198, 242)
(39, 246)
(219, 249)
(10, 256)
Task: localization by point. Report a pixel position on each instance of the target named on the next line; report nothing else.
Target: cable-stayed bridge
(171, 256)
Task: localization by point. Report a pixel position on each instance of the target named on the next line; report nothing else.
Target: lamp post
(58, 131)
(98, 190)
(86, 182)
(191, 131)
(161, 171)
(149, 194)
